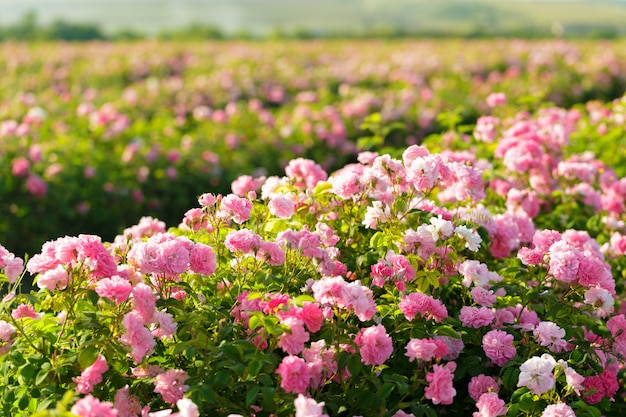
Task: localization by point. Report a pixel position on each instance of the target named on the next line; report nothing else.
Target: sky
(263, 15)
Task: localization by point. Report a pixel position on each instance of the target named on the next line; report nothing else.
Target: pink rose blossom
(498, 346)
(282, 205)
(292, 342)
(91, 376)
(600, 386)
(294, 374)
(305, 173)
(375, 346)
(202, 259)
(476, 317)
(137, 336)
(485, 298)
(271, 253)
(53, 279)
(490, 405)
(496, 99)
(482, 384)
(558, 410)
(24, 310)
(426, 349)
(114, 288)
(536, 374)
(236, 208)
(551, 335)
(308, 407)
(423, 304)
(144, 302)
(312, 316)
(440, 389)
(243, 240)
(187, 408)
(171, 385)
(92, 407)
(126, 404)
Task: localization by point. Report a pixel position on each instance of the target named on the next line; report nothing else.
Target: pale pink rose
(243, 240)
(126, 404)
(425, 349)
(375, 346)
(207, 200)
(187, 408)
(52, 279)
(137, 336)
(166, 325)
(440, 389)
(490, 405)
(294, 374)
(551, 335)
(359, 299)
(171, 385)
(236, 208)
(244, 184)
(91, 376)
(564, 262)
(308, 407)
(346, 183)
(90, 250)
(536, 374)
(172, 257)
(482, 384)
(90, 406)
(485, 298)
(144, 302)
(282, 205)
(476, 317)
(498, 346)
(24, 310)
(401, 413)
(271, 253)
(292, 342)
(305, 173)
(202, 259)
(573, 379)
(196, 219)
(559, 409)
(6, 331)
(114, 288)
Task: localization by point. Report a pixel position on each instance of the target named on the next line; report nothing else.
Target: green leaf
(355, 365)
(221, 379)
(87, 356)
(385, 390)
(251, 394)
(42, 375)
(446, 331)
(254, 366)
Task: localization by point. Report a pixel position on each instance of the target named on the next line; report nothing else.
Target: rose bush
(410, 283)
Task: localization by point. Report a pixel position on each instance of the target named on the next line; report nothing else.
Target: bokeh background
(254, 18)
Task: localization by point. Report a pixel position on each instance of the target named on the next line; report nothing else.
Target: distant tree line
(29, 29)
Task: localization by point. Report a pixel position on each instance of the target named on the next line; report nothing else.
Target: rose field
(319, 228)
